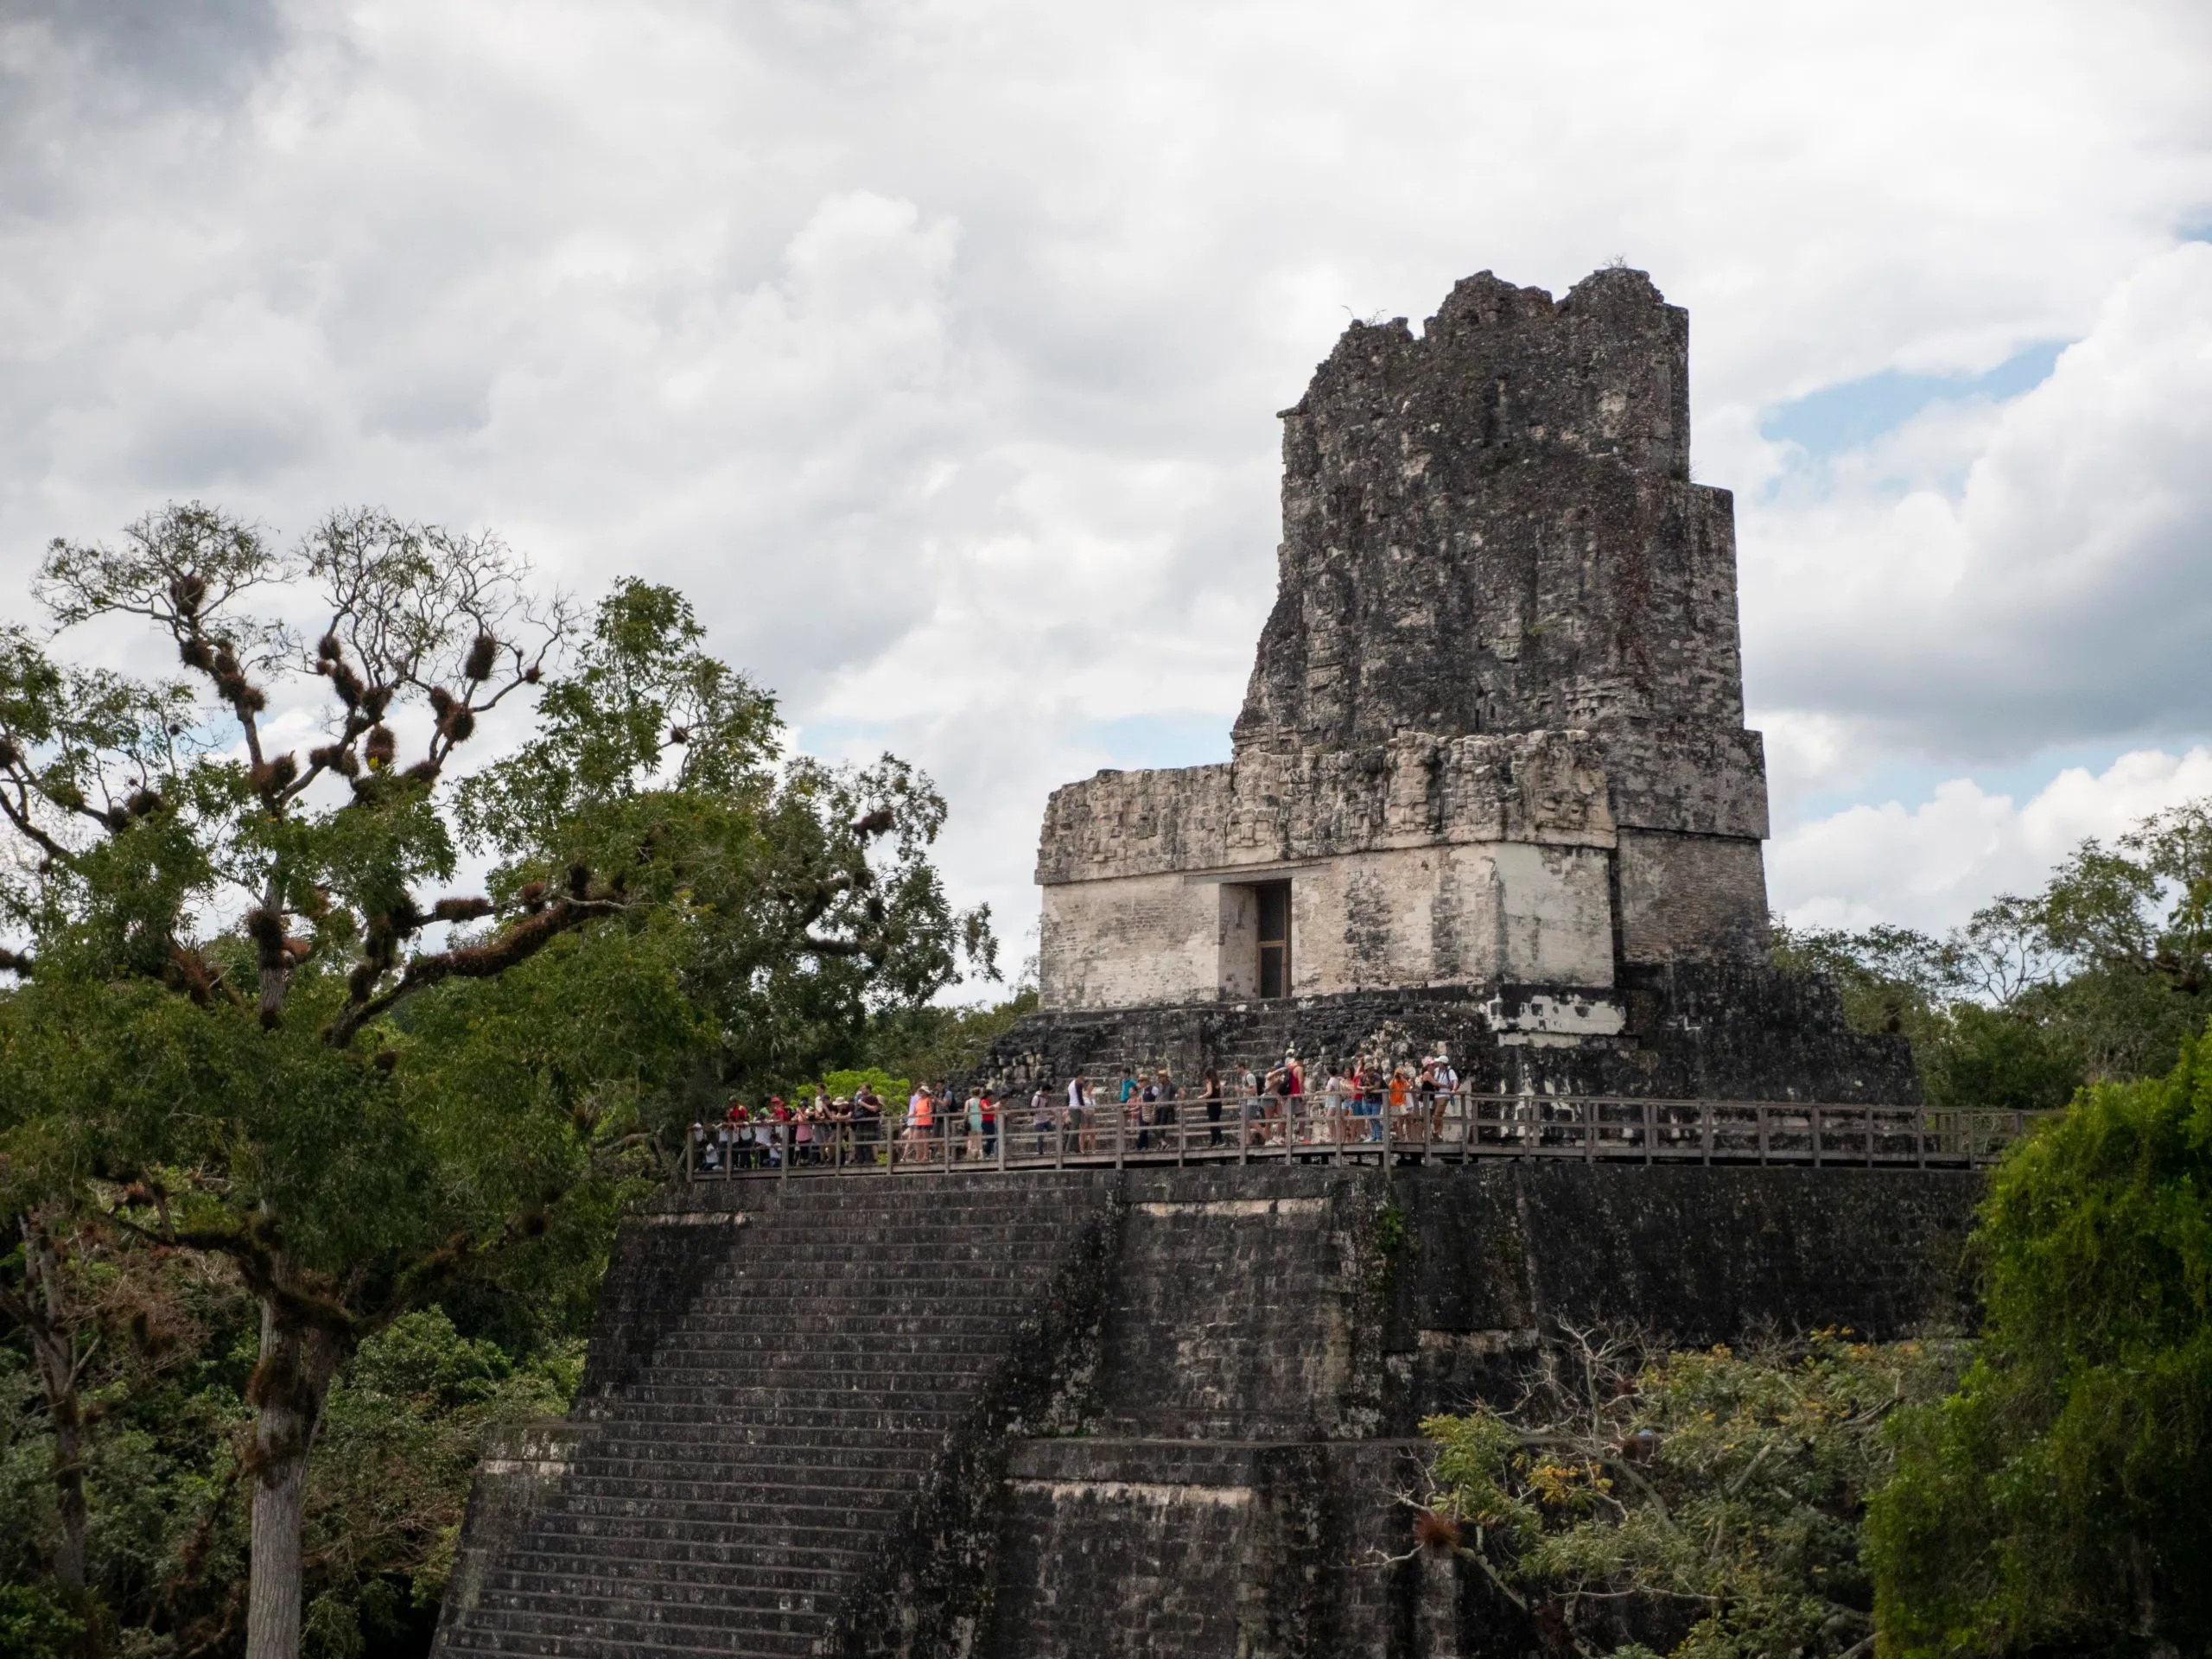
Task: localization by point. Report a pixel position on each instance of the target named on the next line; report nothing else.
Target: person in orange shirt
(921, 1119)
(1401, 1094)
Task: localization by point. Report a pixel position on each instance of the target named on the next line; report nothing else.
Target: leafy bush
(32, 1625)
(2062, 1497)
(1706, 1503)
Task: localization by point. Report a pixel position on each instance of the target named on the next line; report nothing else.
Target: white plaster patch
(1564, 1016)
(1237, 1207)
(539, 1468)
(1140, 1492)
(1478, 1344)
(695, 1219)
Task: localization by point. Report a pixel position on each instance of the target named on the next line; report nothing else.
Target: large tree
(808, 889)
(253, 1021)
(2061, 1499)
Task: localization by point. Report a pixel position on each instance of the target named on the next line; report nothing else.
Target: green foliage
(812, 912)
(845, 1084)
(931, 1044)
(389, 1479)
(392, 1131)
(2100, 976)
(2062, 1498)
(1390, 1229)
(32, 1625)
(1704, 1504)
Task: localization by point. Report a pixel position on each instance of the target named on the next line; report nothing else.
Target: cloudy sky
(934, 348)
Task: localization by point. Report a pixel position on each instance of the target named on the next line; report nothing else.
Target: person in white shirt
(1086, 1138)
(1447, 1084)
(1040, 1113)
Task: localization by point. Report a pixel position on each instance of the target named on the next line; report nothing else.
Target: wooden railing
(1453, 1128)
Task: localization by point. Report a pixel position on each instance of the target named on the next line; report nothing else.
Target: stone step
(907, 1318)
(760, 1407)
(757, 1574)
(729, 1343)
(735, 1435)
(734, 1487)
(795, 1611)
(656, 1543)
(974, 1281)
(706, 1516)
(786, 1635)
(839, 1483)
(845, 1374)
(803, 1381)
(792, 1528)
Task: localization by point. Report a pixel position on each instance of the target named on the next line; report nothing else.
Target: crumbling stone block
(1506, 622)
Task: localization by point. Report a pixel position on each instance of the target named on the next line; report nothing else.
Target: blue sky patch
(1177, 740)
(1838, 418)
(1912, 784)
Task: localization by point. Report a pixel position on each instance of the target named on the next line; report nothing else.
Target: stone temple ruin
(1491, 788)
(1492, 780)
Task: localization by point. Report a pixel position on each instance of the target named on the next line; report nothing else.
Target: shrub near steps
(794, 1394)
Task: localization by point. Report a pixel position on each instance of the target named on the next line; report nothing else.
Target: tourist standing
(1212, 1099)
(1334, 1093)
(868, 1124)
(1079, 1104)
(1447, 1085)
(1040, 1112)
(921, 1120)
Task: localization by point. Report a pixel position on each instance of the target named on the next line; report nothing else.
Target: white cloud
(934, 346)
(2063, 592)
(1933, 865)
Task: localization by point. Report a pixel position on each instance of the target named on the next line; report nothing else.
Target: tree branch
(521, 942)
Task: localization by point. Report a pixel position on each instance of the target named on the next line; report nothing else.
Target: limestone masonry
(1491, 790)
(1105, 1414)
(1493, 744)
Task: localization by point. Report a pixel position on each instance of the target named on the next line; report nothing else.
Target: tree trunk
(53, 1346)
(69, 1494)
(288, 1390)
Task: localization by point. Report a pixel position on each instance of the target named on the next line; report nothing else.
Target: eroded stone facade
(1494, 733)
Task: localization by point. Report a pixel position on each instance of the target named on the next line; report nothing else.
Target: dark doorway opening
(1273, 899)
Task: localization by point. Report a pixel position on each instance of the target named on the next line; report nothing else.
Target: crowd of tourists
(1357, 1103)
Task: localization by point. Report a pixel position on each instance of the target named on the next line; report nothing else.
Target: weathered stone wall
(1490, 528)
(1439, 915)
(1690, 898)
(1721, 1031)
(1504, 614)
(1415, 790)
(1269, 1350)
(1043, 1415)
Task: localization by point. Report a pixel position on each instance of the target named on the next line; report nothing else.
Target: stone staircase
(748, 1468)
